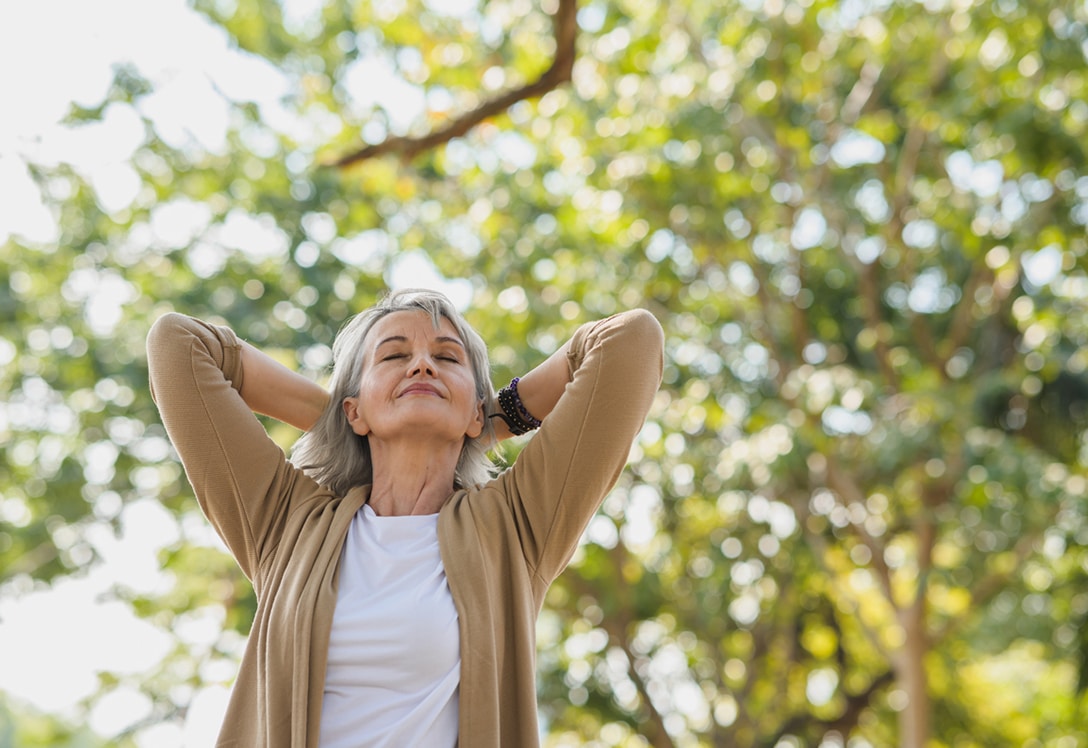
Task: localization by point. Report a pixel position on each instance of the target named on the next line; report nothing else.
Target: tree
(858, 509)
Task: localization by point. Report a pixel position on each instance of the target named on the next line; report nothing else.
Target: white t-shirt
(395, 651)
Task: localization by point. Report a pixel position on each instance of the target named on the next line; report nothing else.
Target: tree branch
(658, 736)
(617, 624)
(869, 285)
(906, 166)
(617, 631)
(983, 591)
(561, 70)
(923, 338)
(821, 552)
(963, 315)
(861, 93)
(800, 724)
(841, 483)
(766, 304)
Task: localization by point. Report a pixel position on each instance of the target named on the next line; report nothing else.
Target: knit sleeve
(241, 478)
(563, 474)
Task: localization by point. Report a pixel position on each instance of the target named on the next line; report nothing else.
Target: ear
(355, 416)
(476, 425)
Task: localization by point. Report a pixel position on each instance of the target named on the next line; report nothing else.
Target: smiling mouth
(420, 390)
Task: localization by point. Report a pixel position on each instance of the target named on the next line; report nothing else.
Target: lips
(419, 389)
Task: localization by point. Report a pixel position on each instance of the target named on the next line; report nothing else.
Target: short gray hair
(334, 455)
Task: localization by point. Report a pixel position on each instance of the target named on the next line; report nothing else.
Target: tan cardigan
(502, 543)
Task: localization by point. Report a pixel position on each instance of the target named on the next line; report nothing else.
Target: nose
(421, 363)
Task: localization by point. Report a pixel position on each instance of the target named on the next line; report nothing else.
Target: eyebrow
(403, 339)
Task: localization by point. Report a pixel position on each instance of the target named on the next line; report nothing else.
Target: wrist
(513, 411)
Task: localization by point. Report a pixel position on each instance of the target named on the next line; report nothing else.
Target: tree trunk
(910, 675)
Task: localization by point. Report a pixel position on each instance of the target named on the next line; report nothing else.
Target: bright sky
(195, 74)
(56, 52)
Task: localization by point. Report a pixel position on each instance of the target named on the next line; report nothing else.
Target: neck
(411, 477)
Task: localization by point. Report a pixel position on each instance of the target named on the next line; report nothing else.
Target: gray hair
(334, 455)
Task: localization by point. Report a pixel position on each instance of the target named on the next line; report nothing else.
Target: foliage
(859, 506)
(30, 730)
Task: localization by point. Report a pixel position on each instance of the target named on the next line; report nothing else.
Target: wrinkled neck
(411, 477)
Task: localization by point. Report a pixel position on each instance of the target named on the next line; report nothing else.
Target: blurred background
(857, 515)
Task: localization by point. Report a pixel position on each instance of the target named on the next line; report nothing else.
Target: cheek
(470, 390)
(370, 383)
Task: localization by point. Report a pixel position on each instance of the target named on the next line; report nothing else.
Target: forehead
(410, 324)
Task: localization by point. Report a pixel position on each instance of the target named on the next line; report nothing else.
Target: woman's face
(416, 380)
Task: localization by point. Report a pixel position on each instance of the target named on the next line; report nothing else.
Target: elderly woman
(398, 579)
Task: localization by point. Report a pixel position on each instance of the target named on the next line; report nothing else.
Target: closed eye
(441, 357)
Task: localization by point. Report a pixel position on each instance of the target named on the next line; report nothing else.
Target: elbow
(166, 328)
(162, 343)
(648, 334)
(646, 326)
(634, 341)
(169, 345)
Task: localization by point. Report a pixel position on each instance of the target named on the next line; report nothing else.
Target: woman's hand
(271, 389)
(540, 389)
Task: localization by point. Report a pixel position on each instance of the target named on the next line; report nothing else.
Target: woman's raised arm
(540, 389)
(271, 389)
(240, 477)
(610, 372)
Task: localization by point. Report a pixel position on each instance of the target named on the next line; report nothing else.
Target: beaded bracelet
(518, 419)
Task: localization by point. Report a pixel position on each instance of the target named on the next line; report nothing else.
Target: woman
(398, 582)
